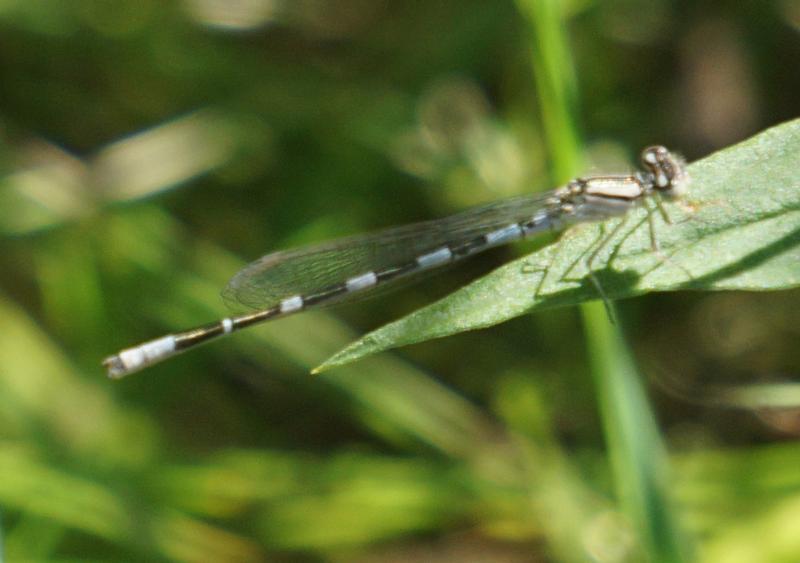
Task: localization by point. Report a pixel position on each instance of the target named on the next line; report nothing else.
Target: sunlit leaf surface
(737, 228)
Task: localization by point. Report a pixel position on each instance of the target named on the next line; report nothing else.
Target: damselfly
(287, 282)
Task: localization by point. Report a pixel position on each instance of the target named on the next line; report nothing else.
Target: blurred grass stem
(638, 461)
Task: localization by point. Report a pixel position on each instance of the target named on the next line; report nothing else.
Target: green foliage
(142, 142)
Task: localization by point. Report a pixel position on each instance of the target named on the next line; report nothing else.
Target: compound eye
(652, 157)
(668, 170)
(656, 160)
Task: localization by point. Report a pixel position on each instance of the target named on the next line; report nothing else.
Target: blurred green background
(149, 149)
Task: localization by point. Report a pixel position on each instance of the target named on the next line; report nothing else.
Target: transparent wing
(309, 269)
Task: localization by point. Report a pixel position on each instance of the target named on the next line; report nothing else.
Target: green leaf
(737, 228)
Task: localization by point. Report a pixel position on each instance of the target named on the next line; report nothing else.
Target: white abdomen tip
(133, 359)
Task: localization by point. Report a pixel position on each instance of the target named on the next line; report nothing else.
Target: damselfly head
(668, 169)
